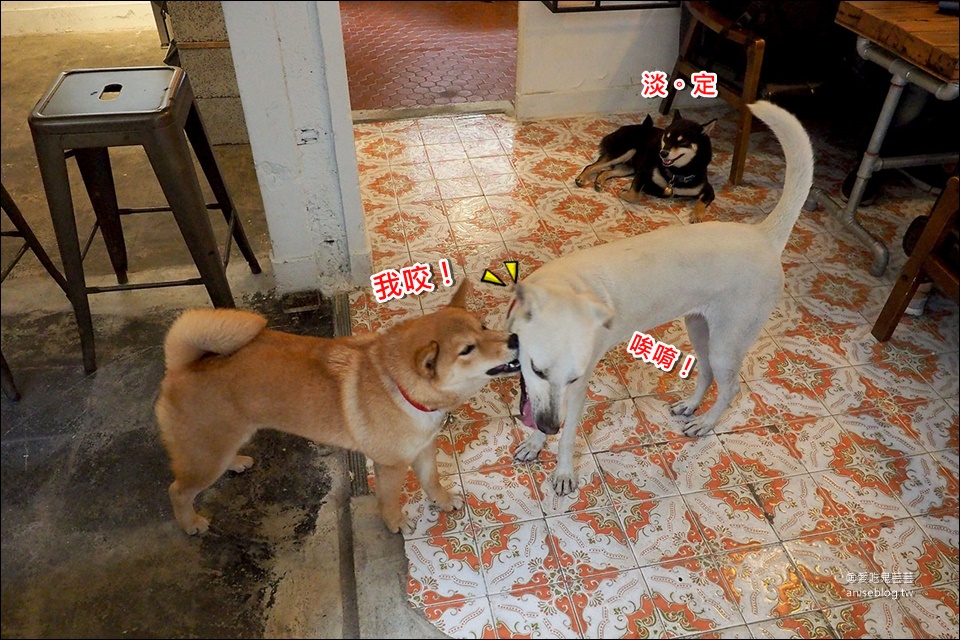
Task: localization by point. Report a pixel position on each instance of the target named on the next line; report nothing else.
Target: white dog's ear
(602, 312)
(460, 297)
(426, 359)
(526, 298)
(708, 127)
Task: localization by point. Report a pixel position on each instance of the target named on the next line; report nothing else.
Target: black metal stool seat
(82, 115)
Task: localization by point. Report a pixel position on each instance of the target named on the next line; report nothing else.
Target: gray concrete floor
(89, 546)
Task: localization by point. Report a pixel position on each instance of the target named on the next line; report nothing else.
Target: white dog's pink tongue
(526, 414)
(526, 407)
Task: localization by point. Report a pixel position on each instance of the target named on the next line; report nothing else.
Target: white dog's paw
(683, 408)
(698, 427)
(530, 448)
(564, 482)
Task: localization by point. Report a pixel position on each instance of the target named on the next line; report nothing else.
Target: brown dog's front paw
(628, 195)
(450, 501)
(197, 526)
(241, 464)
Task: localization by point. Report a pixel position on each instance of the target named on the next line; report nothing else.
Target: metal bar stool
(82, 115)
(30, 242)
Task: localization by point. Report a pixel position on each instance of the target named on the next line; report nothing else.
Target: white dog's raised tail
(799, 158)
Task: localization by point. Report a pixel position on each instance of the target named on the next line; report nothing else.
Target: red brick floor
(422, 54)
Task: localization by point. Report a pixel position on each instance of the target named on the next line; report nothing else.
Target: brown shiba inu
(382, 394)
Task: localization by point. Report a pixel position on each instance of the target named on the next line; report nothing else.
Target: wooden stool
(82, 115)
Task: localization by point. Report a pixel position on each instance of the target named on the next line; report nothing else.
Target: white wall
(591, 62)
(292, 76)
(21, 18)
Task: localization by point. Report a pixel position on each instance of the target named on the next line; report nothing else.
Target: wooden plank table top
(913, 31)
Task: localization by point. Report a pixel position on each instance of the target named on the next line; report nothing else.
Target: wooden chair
(925, 261)
(739, 95)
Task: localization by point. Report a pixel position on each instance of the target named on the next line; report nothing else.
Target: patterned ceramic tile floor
(832, 477)
(424, 54)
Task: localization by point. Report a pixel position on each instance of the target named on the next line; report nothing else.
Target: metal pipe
(940, 89)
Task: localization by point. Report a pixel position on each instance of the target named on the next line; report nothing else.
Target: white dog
(724, 278)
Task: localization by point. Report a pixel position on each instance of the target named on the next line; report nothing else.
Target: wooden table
(916, 44)
(913, 31)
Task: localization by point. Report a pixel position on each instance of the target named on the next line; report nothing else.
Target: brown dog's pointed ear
(460, 297)
(708, 127)
(426, 359)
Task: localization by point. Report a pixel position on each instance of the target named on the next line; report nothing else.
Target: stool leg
(56, 184)
(97, 175)
(6, 380)
(208, 162)
(20, 224)
(173, 164)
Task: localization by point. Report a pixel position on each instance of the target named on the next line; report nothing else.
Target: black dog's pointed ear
(708, 127)
(648, 121)
(676, 115)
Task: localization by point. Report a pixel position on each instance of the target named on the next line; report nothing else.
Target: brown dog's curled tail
(200, 331)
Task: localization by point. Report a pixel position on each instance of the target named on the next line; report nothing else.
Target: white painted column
(292, 76)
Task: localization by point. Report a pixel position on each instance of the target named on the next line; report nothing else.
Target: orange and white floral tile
(935, 610)
(517, 555)
(443, 568)
(906, 556)
(825, 563)
(730, 518)
(605, 384)
(612, 425)
(691, 596)
(805, 625)
(500, 495)
(643, 379)
(800, 277)
(814, 441)
(761, 453)
(542, 611)
(486, 404)
(616, 606)
(878, 436)
(786, 398)
(814, 345)
(756, 364)
(796, 506)
(461, 618)
(484, 443)
(590, 492)
(929, 487)
(861, 496)
(590, 544)
(698, 464)
(876, 618)
(941, 372)
(429, 520)
(850, 389)
(661, 529)
(765, 583)
(942, 530)
(636, 473)
(934, 422)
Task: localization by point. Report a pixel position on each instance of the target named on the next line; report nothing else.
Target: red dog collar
(415, 404)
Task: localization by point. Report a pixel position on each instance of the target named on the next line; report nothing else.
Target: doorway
(424, 58)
